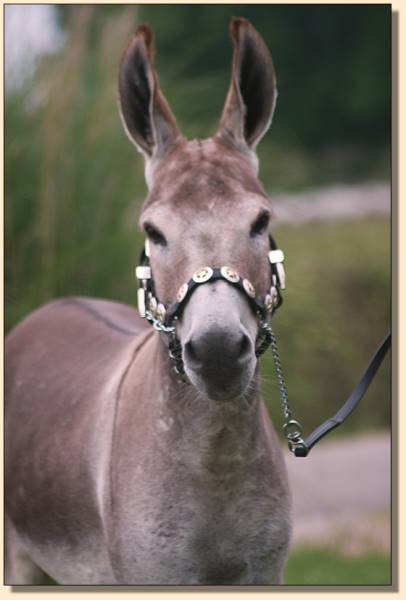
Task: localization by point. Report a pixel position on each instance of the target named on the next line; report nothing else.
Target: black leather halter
(150, 306)
(164, 319)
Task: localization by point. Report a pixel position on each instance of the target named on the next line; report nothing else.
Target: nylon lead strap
(350, 404)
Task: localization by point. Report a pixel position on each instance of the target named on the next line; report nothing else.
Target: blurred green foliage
(336, 311)
(333, 67)
(74, 184)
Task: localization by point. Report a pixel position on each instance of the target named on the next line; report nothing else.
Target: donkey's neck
(216, 437)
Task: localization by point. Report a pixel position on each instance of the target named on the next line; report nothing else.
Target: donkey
(117, 470)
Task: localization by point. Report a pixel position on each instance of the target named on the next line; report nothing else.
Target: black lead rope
(350, 404)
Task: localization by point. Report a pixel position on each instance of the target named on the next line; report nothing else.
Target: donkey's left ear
(251, 98)
(147, 118)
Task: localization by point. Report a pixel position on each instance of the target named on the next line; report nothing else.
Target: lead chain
(292, 429)
(157, 323)
(175, 347)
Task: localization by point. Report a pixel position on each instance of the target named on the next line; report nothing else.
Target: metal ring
(202, 275)
(292, 430)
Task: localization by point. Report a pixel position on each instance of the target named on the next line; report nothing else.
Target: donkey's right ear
(147, 118)
(251, 97)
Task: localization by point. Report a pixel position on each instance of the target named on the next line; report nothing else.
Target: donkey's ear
(147, 118)
(252, 94)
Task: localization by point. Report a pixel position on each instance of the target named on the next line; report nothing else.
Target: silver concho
(269, 303)
(229, 274)
(248, 287)
(152, 304)
(202, 275)
(161, 311)
(182, 292)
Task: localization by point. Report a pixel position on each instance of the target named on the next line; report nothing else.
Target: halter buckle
(276, 256)
(143, 272)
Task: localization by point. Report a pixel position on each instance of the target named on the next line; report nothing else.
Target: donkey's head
(206, 206)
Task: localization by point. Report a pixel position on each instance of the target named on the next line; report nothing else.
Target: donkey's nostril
(245, 346)
(190, 353)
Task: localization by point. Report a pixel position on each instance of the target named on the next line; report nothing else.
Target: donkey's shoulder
(72, 332)
(104, 315)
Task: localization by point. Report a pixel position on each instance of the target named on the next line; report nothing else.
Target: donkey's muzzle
(219, 358)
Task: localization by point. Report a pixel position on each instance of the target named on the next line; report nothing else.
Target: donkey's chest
(239, 539)
(213, 536)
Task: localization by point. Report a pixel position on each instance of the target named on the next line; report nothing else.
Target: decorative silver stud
(274, 296)
(161, 311)
(248, 287)
(229, 274)
(182, 292)
(269, 303)
(152, 305)
(202, 275)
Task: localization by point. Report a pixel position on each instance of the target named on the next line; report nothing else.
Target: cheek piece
(164, 319)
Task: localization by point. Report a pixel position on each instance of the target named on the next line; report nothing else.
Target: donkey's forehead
(201, 171)
(212, 213)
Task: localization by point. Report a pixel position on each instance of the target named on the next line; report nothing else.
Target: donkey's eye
(154, 235)
(260, 225)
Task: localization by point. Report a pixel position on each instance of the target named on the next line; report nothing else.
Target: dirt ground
(342, 494)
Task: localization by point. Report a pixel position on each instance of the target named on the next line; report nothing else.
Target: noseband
(164, 319)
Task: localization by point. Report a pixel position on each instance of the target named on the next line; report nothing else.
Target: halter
(164, 319)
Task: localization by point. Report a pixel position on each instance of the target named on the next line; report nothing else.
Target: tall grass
(72, 181)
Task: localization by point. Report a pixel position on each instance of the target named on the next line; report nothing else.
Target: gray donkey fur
(117, 472)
